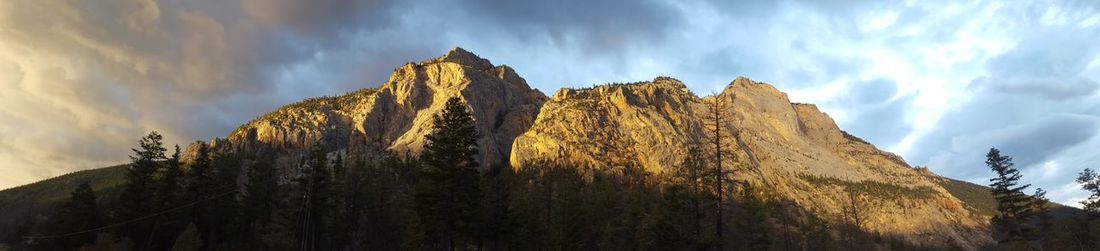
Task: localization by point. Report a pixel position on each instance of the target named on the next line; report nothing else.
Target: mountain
(397, 115)
(794, 150)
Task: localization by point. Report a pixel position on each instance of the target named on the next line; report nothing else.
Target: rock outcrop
(397, 115)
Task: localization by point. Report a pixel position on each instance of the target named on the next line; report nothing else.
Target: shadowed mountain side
(27, 203)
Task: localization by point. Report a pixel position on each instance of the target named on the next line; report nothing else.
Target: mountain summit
(795, 152)
(397, 115)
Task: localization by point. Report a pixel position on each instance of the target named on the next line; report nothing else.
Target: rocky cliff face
(794, 149)
(397, 115)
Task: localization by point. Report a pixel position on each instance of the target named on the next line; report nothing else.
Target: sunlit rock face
(794, 150)
(397, 115)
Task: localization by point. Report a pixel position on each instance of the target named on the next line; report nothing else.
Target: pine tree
(447, 194)
(168, 182)
(222, 222)
(199, 177)
(261, 194)
(752, 220)
(1013, 206)
(137, 195)
(1090, 181)
(1089, 224)
(317, 184)
(495, 212)
(200, 181)
(79, 213)
(691, 176)
(1045, 224)
(167, 196)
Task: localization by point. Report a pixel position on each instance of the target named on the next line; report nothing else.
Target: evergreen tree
(261, 195)
(1013, 206)
(317, 184)
(689, 180)
(1089, 225)
(221, 222)
(168, 182)
(1045, 223)
(447, 193)
(79, 213)
(495, 211)
(199, 177)
(199, 185)
(1090, 181)
(751, 221)
(167, 196)
(674, 224)
(137, 195)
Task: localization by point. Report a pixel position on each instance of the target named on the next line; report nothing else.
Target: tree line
(444, 200)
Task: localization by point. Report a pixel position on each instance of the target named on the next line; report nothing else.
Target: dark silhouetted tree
(317, 184)
(168, 181)
(688, 184)
(447, 193)
(1014, 210)
(137, 198)
(1088, 226)
(79, 213)
(1090, 181)
(751, 220)
(1044, 217)
(261, 195)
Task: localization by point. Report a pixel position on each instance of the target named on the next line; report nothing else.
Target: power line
(32, 238)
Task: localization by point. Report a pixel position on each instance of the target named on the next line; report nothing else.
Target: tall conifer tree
(137, 198)
(447, 194)
(1013, 206)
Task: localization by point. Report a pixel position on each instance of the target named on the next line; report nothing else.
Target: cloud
(84, 82)
(317, 18)
(929, 80)
(1048, 64)
(874, 112)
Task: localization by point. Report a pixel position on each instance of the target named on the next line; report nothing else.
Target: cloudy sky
(937, 82)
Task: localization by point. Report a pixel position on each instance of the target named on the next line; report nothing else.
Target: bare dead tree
(854, 212)
(717, 121)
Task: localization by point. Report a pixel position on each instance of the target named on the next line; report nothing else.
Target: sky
(938, 82)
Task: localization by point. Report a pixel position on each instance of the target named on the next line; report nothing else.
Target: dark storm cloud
(86, 80)
(318, 18)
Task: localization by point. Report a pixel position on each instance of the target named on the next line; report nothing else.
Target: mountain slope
(23, 204)
(795, 151)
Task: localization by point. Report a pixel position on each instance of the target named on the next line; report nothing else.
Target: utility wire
(32, 238)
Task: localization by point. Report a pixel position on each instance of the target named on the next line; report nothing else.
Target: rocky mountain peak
(397, 115)
(463, 57)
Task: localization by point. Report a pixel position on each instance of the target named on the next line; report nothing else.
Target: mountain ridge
(796, 149)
